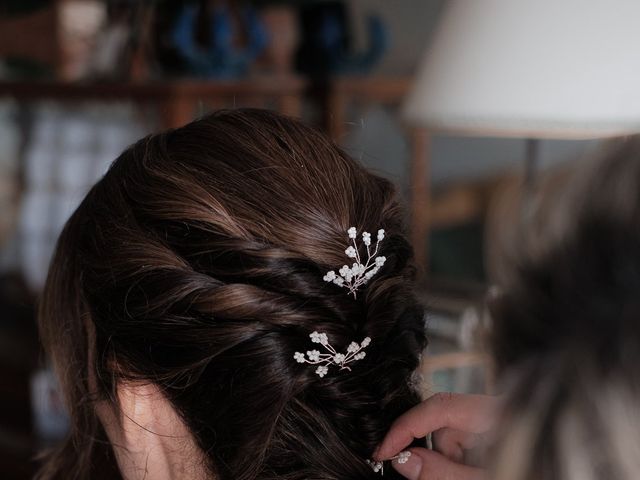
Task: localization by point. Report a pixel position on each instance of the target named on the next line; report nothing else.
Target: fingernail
(410, 469)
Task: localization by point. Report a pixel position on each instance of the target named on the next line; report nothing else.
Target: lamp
(545, 69)
(565, 69)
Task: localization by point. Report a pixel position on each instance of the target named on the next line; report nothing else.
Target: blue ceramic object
(219, 57)
(326, 48)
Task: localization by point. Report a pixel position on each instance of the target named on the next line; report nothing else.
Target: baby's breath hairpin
(323, 360)
(402, 457)
(359, 273)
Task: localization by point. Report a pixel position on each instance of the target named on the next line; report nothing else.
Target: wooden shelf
(288, 85)
(177, 99)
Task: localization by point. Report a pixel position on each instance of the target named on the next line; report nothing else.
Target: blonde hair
(566, 334)
(571, 425)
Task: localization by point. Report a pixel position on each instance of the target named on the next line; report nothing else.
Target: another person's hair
(567, 330)
(198, 261)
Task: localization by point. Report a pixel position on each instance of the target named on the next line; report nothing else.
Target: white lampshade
(532, 68)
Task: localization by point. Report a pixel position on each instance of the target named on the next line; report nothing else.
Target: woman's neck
(149, 438)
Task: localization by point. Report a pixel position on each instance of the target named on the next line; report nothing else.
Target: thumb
(426, 464)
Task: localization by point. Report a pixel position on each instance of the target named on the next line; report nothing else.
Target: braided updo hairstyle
(196, 263)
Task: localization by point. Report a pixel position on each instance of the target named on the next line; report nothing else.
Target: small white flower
(320, 338)
(330, 276)
(371, 273)
(348, 275)
(352, 232)
(338, 358)
(403, 457)
(322, 371)
(299, 357)
(380, 235)
(366, 238)
(339, 281)
(353, 347)
(351, 252)
(376, 466)
(360, 356)
(380, 261)
(365, 343)
(314, 355)
(344, 270)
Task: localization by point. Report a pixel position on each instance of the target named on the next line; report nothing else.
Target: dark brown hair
(198, 262)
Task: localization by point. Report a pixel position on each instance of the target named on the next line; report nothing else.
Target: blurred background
(463, 104)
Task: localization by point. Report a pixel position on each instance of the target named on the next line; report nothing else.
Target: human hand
(457, 424)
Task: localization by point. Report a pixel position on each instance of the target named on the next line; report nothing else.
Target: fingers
(425, 464)
(469, 413)
(459, 446)
(451, 443)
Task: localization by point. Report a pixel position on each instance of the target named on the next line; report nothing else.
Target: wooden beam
(419, 196)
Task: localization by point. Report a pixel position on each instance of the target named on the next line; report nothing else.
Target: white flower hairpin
(359, 273)
(323, 360)
(402, 457)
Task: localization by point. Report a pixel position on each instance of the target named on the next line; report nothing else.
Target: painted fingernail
(407, 465)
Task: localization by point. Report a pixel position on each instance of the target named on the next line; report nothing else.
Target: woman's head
(567, 330)
(196, 264)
